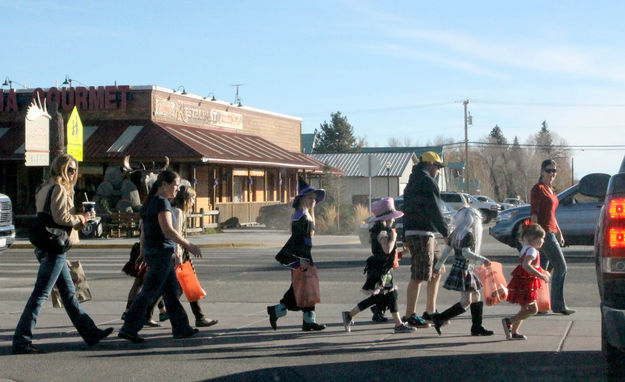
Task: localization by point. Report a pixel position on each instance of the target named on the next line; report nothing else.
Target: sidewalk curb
(129, 245)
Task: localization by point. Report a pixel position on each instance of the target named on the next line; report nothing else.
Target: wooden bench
(123, 222)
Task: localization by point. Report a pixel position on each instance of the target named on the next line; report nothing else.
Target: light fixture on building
(212, 95)
(184, 91)
(388, 178)
(9, 83)
(68, 81)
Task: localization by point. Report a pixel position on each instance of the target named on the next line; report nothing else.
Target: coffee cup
(88, 206)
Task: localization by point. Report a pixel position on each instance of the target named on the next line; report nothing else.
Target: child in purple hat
(379, 285)
(296, 253)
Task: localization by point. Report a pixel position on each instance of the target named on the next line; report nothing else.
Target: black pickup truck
(610, 266)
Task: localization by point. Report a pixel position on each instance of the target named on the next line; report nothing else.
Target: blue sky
(398, 68)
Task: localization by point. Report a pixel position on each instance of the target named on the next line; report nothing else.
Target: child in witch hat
(296, 253)
(465, 241)
(379, 285)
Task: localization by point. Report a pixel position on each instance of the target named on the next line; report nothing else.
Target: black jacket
(422, 204)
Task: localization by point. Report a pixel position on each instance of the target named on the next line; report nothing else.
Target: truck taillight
(617, 208)
(613, 260)
(616, 238)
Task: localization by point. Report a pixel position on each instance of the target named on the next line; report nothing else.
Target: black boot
(440, 318)
(477, 329)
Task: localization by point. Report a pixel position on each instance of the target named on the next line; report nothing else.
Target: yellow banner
(74, 135)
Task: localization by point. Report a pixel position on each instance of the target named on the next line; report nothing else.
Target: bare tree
(394, 142)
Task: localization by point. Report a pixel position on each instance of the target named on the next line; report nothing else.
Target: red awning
(146, 140)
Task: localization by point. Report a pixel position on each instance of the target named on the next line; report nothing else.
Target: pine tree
(337, 136)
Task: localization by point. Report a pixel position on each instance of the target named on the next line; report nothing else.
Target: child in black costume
(379, 284)
(296, 253)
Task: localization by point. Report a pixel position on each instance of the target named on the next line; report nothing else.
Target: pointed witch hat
(305, 189)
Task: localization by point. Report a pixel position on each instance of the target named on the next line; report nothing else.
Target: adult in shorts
(422, 218)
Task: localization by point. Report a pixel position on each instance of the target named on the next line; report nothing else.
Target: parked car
(487, 207)
(577, 215)
(610, 267)
(7, 227)
(455, 200)
(365, 225)
(511, 203)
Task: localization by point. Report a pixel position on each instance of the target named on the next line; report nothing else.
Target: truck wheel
(614, 358)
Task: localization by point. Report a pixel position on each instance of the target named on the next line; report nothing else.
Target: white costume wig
(467, 220)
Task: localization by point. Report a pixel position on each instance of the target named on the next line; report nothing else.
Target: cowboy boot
(310, 323)
(440, 318)
(477, 329)
(275, 312)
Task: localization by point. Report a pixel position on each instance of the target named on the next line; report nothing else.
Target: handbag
(306, 287)
(188, 282)
(131, 268)
(83, 293)
(45, 234)
(494, 282)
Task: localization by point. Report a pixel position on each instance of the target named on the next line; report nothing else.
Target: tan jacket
(62, 208)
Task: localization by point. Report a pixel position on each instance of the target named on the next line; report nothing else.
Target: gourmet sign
(91, 98)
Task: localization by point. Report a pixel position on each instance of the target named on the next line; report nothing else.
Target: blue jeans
(160, 279)
(552, 251)
(52, 270)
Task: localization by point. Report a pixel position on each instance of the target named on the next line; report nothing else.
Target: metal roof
(417, 150)
(146, 140)
(348, 162)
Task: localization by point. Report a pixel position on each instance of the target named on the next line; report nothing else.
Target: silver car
(577, 215)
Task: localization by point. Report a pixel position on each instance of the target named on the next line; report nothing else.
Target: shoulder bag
(45, 234)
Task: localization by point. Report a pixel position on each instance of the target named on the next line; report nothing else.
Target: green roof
(410, 149)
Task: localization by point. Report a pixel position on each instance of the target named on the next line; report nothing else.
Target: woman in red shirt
(544, 203)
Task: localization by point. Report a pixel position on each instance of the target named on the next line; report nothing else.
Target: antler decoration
(35, 110)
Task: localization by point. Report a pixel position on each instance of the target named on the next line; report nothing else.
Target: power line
(529, 145)
(384, 109)
(550, 104)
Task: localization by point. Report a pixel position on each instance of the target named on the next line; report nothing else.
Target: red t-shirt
(543, 204)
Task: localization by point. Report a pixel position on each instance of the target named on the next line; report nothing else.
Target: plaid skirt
(461, 278)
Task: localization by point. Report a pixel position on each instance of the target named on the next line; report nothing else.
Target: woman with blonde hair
(183, 204)
(56, 198)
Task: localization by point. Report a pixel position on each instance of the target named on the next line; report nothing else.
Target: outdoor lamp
(183, 90)
(68, 81)
(9, 83)
(212, 95)
(388, 179)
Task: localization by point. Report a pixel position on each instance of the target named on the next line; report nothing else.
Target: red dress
(523, 287)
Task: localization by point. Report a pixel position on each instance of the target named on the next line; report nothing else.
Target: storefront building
(238, 158)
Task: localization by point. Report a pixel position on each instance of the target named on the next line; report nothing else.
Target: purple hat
(304, 189)
(384, 210)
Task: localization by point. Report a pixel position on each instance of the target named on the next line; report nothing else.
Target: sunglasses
(71, 170)
(551, 170)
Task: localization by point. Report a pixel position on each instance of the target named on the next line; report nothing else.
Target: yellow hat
(432, 157)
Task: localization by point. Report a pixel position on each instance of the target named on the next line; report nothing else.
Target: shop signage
(74, 135)
(37, 139)
(83, 98)
(240, 172)
(192, 114)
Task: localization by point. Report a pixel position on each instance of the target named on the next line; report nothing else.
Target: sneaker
(347, 321)
(204, 323)
(507, 326)
(517, 336)
(404, 329)
(416, 321)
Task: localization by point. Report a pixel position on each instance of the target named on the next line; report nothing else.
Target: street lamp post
(388, 179)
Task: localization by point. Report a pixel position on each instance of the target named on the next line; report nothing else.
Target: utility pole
(466, 148)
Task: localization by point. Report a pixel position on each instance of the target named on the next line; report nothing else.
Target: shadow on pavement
(539, 366)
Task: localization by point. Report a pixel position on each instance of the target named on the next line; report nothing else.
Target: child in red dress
(526, 279)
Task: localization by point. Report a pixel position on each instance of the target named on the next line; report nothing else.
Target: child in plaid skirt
(465, 241)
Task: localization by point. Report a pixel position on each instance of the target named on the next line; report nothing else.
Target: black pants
(388, 300)
(289, 301)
